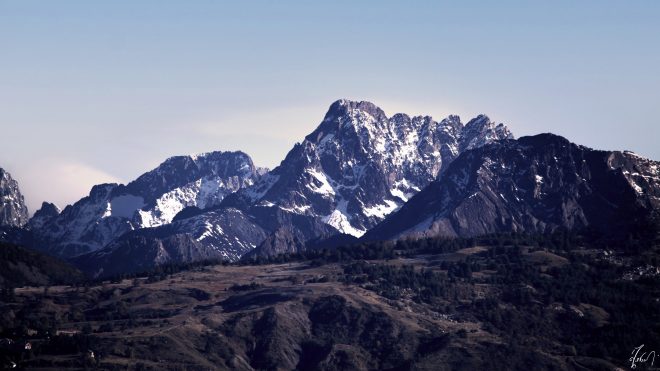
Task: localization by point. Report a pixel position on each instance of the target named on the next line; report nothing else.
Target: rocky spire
(13, 211)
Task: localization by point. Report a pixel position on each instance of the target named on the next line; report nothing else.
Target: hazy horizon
(103, 92)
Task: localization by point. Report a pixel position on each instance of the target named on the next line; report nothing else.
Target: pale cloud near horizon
(60, 181)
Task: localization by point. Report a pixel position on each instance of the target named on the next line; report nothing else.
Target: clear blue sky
(95, 91)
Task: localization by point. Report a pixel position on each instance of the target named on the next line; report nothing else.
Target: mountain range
(345, 177)
(360, 175)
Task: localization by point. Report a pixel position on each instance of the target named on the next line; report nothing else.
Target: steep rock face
(359, 165)
(153, 199)
(282, 241)
(13, 212)
(534, 184)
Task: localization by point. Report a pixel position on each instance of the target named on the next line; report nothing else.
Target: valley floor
(432, 308)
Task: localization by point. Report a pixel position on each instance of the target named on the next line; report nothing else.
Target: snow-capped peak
(360, 165)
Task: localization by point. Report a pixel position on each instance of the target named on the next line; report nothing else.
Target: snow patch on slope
(202, 193)
(338, 218)
(324, 187)
(382, 210)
